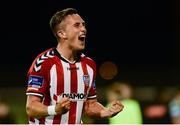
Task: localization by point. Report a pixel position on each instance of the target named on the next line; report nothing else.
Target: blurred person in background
(131, 114)
(61, 80)
(174, 108)
(6, 116)
(156, 111)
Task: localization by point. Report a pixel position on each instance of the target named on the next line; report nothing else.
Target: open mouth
(81, 38)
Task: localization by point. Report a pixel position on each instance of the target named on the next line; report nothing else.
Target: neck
(67, 53)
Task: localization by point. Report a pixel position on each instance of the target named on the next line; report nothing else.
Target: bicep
(35, 108)
(33, 99)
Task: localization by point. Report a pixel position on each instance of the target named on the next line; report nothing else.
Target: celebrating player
(61, 80)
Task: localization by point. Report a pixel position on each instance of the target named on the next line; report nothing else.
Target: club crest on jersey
(86, 80)
(35, 81)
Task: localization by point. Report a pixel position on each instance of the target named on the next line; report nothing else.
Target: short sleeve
(38, 79)
(92, 91)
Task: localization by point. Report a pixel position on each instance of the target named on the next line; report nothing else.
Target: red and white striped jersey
(52, 77)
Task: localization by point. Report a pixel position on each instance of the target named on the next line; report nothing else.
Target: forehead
(70, 19)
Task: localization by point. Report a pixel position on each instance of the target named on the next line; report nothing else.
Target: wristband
(51, 110)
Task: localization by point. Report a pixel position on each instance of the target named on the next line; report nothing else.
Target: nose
(83, 29)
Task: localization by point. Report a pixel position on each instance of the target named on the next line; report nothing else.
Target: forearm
(36, 109)
(95, 109)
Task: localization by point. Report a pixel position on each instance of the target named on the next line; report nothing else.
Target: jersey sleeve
(92, 91)
(38, 78)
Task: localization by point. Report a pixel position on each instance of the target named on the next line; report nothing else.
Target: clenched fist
(62, 106)
(114, 109)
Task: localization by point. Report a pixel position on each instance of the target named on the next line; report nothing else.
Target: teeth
(81, 38)
(82, 35)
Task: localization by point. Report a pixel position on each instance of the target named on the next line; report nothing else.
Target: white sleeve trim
(37, 94)
(90, 97)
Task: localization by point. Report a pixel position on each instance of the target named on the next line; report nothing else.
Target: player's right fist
(62, 106)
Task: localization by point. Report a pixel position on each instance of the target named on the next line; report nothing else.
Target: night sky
(137, 35)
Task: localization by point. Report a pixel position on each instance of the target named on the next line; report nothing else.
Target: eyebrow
(83, 23)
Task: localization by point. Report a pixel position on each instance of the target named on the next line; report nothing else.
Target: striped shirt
(52, 77)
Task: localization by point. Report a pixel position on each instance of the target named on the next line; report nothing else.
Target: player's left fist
(115, 107)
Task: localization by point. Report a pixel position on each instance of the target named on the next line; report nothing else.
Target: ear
(61, 34)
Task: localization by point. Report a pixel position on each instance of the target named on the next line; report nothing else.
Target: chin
(80, 49)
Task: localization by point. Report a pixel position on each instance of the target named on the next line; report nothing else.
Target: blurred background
(136, 41)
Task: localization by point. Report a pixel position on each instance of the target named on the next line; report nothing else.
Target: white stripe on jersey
(67, 81)
(53, 83)
(53, 90)
(80, 89)
(36, 121)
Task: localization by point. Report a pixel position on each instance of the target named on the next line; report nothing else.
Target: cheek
(73, 39)
(73, 35)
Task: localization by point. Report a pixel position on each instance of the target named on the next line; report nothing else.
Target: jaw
(81, 46)
(77, 44)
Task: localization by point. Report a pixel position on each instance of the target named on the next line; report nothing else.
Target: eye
(84, 24)
(77, 25)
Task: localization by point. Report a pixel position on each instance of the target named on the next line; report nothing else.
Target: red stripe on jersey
(31, 119)
(60, 79)
(60, 88)
(85, 72)
(72, 118)
(55, 97)
(42, 121)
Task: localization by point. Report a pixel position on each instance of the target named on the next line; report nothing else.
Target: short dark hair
(59, 16)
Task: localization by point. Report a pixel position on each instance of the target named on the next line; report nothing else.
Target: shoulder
(89, 61)
(42, 60)
(45, 54)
